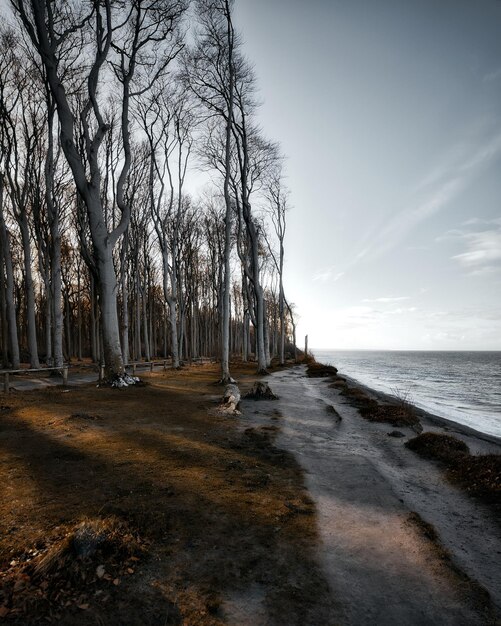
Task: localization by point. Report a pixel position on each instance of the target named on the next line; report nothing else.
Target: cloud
(492, 76)
(484, 248)
(322, 276)
(387, 299)
(327, 274)
(449, 235)
(482, 254)
(401, 310)
(436, 191)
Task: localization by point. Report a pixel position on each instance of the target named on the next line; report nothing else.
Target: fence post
(65, 376)
(6, 382)
(101, 373)
(151, 366)
(165, 365)
(134, 368)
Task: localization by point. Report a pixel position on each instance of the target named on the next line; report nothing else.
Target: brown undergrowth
(179, 510)
(320, 370)
(479, 475)
(400, 412)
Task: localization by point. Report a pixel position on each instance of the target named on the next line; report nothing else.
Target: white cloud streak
(482, 253)
(387, 299)
(327, 275)
(435, 192)
(483, 248)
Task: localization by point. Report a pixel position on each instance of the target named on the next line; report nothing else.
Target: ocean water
(461, 386)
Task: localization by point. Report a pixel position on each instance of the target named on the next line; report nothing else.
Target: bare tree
(211, 76)
(126, 38)
(22, 121)
(278, 205)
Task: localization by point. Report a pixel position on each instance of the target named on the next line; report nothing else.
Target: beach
(374, 498)
(295, 511)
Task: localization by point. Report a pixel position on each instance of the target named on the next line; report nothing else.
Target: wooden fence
(64, 370)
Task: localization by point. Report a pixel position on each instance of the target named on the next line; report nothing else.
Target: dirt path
(382, 563)
(285, 516)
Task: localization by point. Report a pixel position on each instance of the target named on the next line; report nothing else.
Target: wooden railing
(64, 370)
(6, 374)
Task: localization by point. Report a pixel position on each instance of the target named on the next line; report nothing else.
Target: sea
(464, 387)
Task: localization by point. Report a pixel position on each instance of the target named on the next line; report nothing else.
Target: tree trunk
(109, 318)
(48, 322)
(79, 316)
(171, 302)
(10, 305)
(56, 288)
(93, 333)
(30, 294)
(125, 318)
(147, 350)
(138, 351)
(266, 334)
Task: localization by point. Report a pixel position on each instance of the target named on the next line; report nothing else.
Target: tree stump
(261, 391)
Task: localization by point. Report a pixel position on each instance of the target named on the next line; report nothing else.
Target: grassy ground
(136, 506)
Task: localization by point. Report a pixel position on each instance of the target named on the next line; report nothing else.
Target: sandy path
(381, 567)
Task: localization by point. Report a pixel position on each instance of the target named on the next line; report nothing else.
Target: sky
(389, 113)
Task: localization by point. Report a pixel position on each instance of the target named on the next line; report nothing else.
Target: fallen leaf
(4, 611)
(116, 582)
(100, 571)
(84, 607)
(130, 570)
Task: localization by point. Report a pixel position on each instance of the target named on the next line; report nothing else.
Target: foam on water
(461, 386)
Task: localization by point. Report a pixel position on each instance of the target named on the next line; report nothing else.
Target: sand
(368, 489)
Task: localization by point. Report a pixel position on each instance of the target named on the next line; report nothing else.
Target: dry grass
(443, 448)
(201, 507)
(478, 475)
(320, 370)
(394, 414)
(397, 413)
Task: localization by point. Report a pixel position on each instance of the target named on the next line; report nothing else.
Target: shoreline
(388, 518)
(426, 416)
(454, 390)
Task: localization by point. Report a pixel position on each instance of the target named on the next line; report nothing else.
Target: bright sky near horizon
(389, 112)
(390, 115)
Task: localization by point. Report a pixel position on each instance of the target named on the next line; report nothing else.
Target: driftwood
(231, 401)
(261, 391)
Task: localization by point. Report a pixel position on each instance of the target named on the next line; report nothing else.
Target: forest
(109, 110)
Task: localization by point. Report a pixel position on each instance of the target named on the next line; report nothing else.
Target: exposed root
(124, 380)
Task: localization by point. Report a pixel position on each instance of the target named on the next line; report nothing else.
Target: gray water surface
(461, 386)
